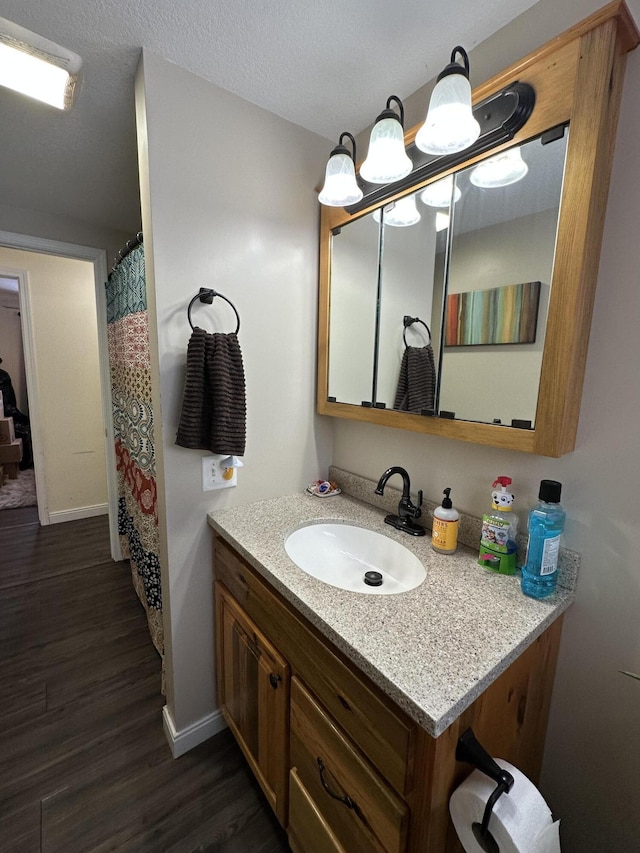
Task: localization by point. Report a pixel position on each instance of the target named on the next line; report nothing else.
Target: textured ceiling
(316, 64)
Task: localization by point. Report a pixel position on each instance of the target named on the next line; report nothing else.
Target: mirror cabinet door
(355, 264)
(498, 285)
(429, 317)
(411, 296)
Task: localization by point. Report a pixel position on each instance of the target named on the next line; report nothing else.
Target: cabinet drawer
(380, 731)
(308, 830)
(229, 568)
(355, 802)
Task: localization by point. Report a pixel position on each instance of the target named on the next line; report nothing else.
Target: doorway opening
(17, 479)
(62, 310)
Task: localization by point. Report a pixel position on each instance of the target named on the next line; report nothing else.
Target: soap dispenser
(444, 535)
(499, 529)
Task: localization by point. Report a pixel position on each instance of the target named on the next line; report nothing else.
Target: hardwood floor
(84, 763)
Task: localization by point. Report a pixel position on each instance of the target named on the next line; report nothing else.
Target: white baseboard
(185, 739)
(75, 514)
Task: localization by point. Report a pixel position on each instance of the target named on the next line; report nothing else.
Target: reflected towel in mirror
(417, 380)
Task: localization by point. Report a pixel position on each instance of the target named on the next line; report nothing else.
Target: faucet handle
(415, 511)
(418, 510)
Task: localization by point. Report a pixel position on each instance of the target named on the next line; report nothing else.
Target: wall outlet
(216, 475)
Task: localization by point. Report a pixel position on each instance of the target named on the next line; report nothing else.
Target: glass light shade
(387, 159)
(24, 69)
(340, 187)
(401, 213)
(442, 220)
(450, 125)
(502, 169)
(439, 193)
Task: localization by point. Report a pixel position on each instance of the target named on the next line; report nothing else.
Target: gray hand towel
(417, 380)
(214, 403)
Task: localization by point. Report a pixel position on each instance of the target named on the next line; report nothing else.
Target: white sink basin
(340, 554)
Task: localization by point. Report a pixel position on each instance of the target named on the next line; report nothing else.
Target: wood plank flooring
(84, 763)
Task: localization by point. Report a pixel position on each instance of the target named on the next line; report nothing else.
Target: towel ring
(205, 295)
(409, 321)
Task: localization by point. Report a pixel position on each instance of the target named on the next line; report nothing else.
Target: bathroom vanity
(348, 707)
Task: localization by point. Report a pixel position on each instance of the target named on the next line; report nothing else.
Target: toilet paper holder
(470, 750)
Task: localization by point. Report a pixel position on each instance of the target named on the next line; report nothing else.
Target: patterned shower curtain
(128, 336)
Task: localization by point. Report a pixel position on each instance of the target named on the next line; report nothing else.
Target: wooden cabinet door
(253, 694)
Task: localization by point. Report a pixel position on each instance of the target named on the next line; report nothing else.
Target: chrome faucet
(407, 511)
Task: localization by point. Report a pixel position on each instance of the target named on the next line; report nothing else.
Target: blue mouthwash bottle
(546, 523)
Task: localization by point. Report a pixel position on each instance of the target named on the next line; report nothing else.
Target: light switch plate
(215, 476)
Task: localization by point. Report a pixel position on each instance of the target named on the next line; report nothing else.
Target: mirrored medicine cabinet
(459, 309)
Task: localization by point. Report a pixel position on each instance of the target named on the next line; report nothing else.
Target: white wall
(35, 223)
(590, 774)
(228, 199)
(65, 336)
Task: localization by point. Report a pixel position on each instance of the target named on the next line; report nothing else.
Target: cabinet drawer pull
(274, 679)
(346, 800)
(344, 702)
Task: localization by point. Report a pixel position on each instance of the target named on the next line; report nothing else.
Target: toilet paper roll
(520, 821)
(549, 839)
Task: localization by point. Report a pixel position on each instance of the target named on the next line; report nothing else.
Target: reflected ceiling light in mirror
(503, 169)
(450, 125)
(442, 220)
(340, 186)
(37, 67)
(400, 213)
(387, 160)
(438, 194)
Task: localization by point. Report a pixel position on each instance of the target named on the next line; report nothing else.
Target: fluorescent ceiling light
(37, 67)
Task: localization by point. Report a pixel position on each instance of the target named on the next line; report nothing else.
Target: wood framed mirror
(374, 277)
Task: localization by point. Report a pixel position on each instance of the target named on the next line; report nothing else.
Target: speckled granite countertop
(432, 650)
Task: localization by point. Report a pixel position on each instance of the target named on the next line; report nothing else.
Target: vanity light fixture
(400, 213)
(450, 125)
(502, 169)
(37, 67)
(387, 160)
(438, 194)
(340, 185)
